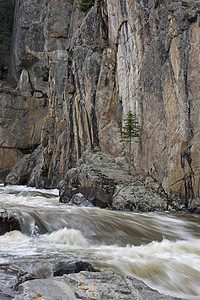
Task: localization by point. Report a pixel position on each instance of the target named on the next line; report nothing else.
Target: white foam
(12, 237)
(21, 188)
(170, 267)
(68, 237)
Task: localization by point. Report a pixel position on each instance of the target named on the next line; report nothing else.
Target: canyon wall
(91, 68)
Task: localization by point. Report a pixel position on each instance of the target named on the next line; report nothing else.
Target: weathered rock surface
(8, 222)
(21, 121)
(104, 181)
(58, 270)
(89, 285)
(6, 20)
(78, 199)
(194, 206)
(72, 267)
(23, 171)
(95, 66)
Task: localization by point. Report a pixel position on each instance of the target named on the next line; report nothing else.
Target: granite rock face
(22, 110)
(21, 121)
(168, 101)
(93, 67)
(157, 71)
(24, 169)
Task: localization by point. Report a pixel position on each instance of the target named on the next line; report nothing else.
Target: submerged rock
(89, 285)
(8, 222)
(79, 199)
(23, 277)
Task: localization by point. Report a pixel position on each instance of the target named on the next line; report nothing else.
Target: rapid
(161, 249)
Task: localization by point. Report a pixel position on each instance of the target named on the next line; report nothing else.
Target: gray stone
(100, 179)
(8, 222)
(47, 289)
(89, 285)
(21, 121)
(80, 200)
(24, 83)
(72, 267)
(95, 66)
(22, 171)
(38, 94)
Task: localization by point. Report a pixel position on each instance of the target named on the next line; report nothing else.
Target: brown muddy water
(162, 249)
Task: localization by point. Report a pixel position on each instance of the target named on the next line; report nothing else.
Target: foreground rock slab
(88, 285)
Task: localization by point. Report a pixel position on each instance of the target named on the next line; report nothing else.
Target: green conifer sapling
(84, 5)
(130, 130)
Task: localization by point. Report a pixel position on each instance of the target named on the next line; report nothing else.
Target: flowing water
(161, 249)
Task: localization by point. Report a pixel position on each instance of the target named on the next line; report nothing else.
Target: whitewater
(161, 249)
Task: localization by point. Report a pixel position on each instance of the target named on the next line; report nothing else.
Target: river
(162, 249)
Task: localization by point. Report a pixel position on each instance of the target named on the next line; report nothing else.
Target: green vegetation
(6, 22)
(130, 130)
(84, 5)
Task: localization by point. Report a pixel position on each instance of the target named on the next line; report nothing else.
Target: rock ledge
(89, 285)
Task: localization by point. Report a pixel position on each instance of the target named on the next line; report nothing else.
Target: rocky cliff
(6, 24)
(91, 68)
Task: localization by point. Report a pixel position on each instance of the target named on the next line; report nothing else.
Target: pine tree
(84, 5)
(130, 130)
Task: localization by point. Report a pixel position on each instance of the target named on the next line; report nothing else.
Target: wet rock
(23, 277)
(194, 206)
(80, 200)
(72, 267)
(60, 269)
(89, 285)
(8, 222)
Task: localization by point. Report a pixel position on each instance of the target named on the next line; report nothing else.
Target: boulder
(23, 277)
(72, 267)
(104, 181)
(194, 206)
(22, 171)
(8, 222)
(80, 200)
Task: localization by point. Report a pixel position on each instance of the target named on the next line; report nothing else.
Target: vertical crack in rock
(91, 68)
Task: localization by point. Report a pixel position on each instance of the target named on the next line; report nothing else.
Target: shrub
(84, 5)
